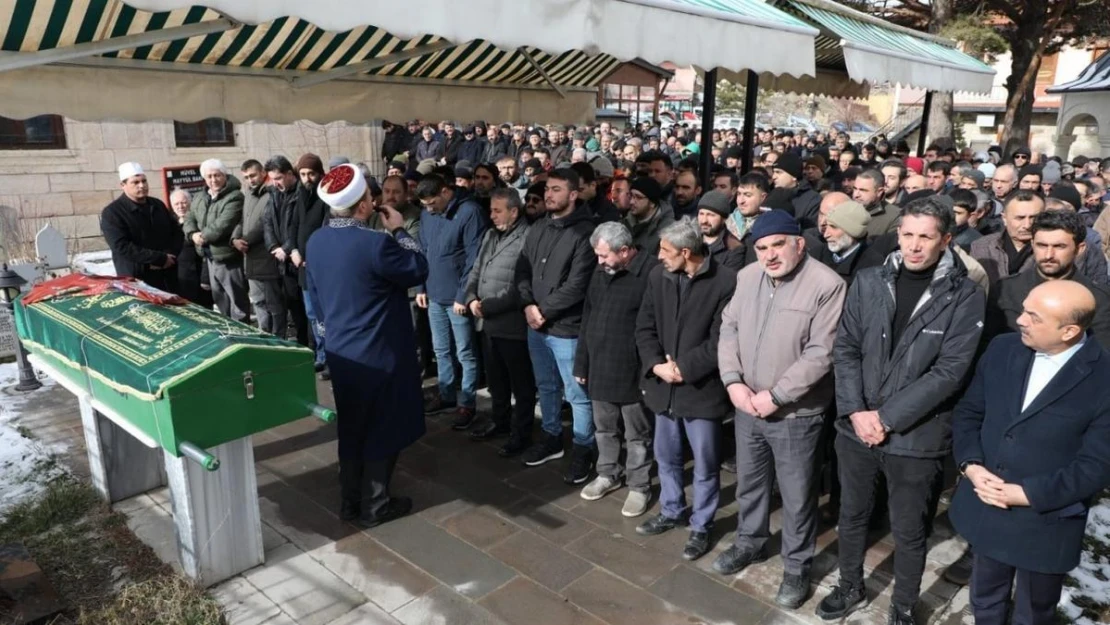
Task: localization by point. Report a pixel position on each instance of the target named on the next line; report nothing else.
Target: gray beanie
(851, 217)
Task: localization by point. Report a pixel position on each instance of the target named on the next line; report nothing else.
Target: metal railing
(908, 115)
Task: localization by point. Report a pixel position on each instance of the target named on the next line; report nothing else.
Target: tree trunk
(1027, 48)
(940, 114)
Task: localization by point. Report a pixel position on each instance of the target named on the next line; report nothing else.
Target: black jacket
(310, 215)
(554, 270)
(807, 204)
(847, 269)
(140, 237)
(607, 355)
(471, 151)
(602, 210)
(451, 146)
(1005, 304)
(913, 384)
(277, 225)
(493, 281)
(729, 252)
(688, 330)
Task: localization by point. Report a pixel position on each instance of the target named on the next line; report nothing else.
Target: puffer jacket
(554, 270)
(914, 383)
(216, 219)
(493, 281)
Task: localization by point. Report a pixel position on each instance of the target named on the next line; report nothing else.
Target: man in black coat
(906, 341)
(280, 239)
(310, 214)
(607, 364)
(1058, 241)
(1032, 437)
(142, 233)
(677, 332)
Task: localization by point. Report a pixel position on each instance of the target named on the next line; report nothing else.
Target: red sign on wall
(185, 177)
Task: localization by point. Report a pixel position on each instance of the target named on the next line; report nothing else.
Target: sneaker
(729, 465)
(697, 545)
(600, 487)
(636, 503)
(581, 465)
(550, 448)
(793, 591)
(514, 447)
(657, 525)
(842, 601)
(436, 404)
(324, 375)
(959, 572)
(395, 509)
(900, 616)
(736, 559)
(463, 418)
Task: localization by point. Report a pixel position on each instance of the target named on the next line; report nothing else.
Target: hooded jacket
(912, 384)
(451, 241)
(554, 270)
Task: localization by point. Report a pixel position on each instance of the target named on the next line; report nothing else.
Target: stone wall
(68, 188)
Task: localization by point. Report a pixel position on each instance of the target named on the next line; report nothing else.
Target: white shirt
(1045, 367)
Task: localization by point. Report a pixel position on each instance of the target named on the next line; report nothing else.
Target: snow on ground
(25, 465)
(1092, 576)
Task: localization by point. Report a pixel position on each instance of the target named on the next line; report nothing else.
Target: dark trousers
(424, 340)
(637, 422)
(910, 484)
(293, 302)
(509, 377)
(1035, 594)
(704, 436)
(786, 450)
(366, 482)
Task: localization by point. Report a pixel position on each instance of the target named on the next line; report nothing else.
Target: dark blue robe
(359, 280)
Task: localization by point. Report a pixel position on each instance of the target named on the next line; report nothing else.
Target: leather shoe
(395, 509)
(488, 430)
(696, 546)
(657, 525)
(735, 559)
(349, 509)
(514, 447)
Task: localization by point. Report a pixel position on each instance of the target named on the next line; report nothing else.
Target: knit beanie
(649, 188)
(791, 163)
(775, 222)
(715, 201)
(310, 161)
(851, 217)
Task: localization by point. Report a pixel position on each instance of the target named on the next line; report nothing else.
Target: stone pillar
(1104, 141)
(121, 466)
(215, 513)
(1063, 145)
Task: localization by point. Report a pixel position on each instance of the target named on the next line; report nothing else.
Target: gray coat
(258, 264)
(493, 281)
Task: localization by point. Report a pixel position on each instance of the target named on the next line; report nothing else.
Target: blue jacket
(1058, 450)
(451, 241)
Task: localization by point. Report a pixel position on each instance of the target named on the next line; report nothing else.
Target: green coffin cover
(137, 347)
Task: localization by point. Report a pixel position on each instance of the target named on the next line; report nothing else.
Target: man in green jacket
(210, 225)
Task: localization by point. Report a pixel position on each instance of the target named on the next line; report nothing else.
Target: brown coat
(780, 337)
(988, 251)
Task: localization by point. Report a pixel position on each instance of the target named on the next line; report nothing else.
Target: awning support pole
(708, 112)
(751, 98)
(536, 66)
(20, 60)
(368, 64)
(921, 137)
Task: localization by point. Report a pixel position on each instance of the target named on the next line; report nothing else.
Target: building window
(45, 132)
(207, 133)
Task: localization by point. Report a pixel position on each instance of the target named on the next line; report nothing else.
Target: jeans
(638, 422)
(704, 436)
(445, 326)
(784, 450)
(909, 488)
(509, 375)
(553, 364)
(310, 312)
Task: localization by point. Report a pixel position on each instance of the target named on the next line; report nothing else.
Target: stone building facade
(69, 187)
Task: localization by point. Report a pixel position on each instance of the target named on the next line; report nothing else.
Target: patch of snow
(1092, 576)
(26, 466)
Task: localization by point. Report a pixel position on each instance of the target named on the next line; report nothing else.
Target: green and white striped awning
(371, 59)
(872, 50)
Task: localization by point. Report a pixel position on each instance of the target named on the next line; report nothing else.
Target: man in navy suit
(1034, 453)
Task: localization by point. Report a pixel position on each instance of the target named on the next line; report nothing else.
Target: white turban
(343, 187)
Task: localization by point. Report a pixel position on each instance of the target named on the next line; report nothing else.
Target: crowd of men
(831, 304)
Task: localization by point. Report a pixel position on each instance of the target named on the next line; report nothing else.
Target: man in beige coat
(775, 356)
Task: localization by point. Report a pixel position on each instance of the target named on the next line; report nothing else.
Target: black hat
(540, 188)
(534, 163)
(715, 201)
(775, 222)
(791, 163)
(1067, 193)
(649, 188)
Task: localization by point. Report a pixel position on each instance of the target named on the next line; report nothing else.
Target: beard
(840, 244)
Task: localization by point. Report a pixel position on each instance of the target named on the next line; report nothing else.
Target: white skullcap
(127, 170)
(987, 169)
(343, 187)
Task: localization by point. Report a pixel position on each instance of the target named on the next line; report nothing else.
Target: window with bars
(44, 132)
(207, 133)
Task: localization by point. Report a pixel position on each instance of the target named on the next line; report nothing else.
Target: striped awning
(357, 61)
(872, 50)
(1095, 77)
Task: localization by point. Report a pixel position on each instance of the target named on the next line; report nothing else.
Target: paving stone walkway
(490, 541)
